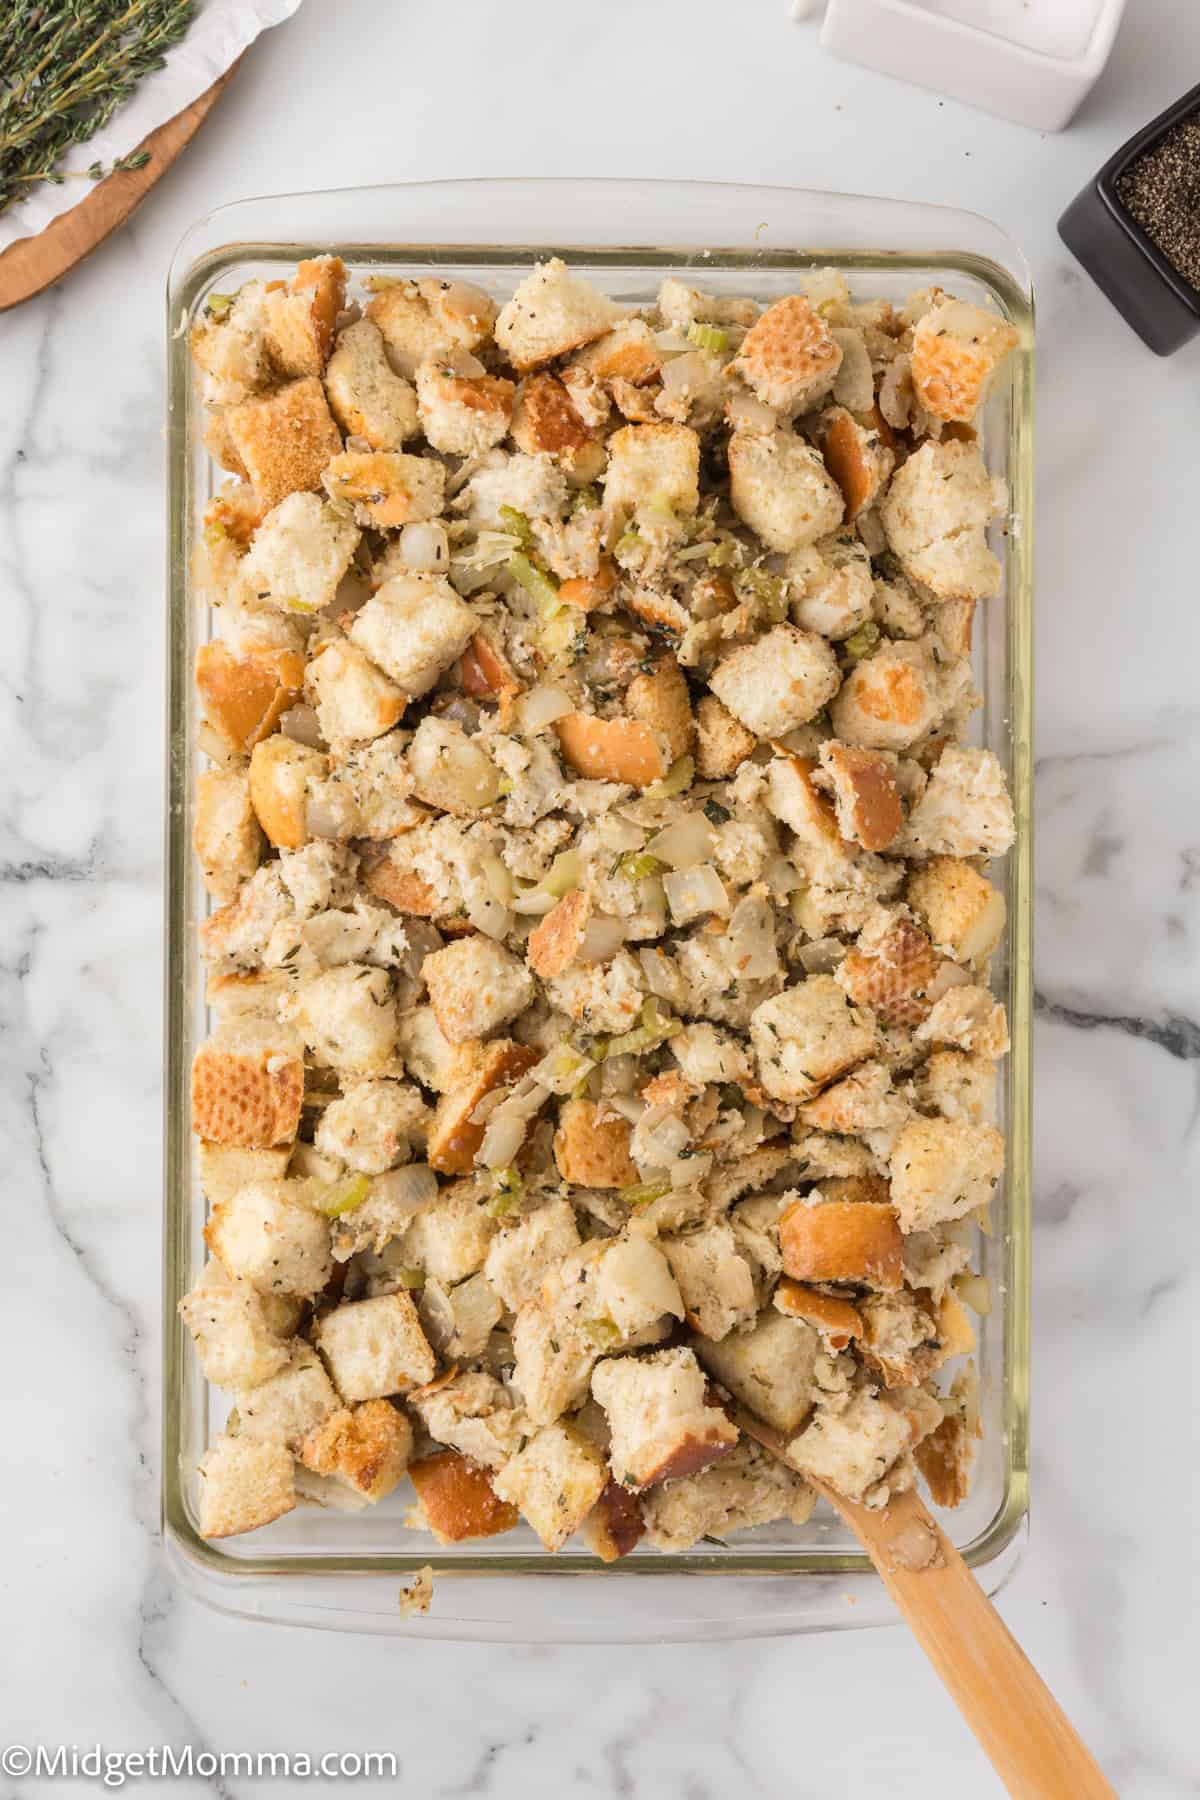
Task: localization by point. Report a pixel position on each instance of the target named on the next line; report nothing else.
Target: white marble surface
(97, 1645)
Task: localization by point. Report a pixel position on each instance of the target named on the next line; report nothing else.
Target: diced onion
(662, 977)
(541, 706)
(658, 1137)
(602, 939)
(854, 387)
(533, 903)
(406, 1190)
(948, 975)
(782, 876)
(683, 844)
(751, 939)
(500, 882)
(489, 915)
(693, 892)
(975, 1291)
(563, 1068)
(822, 956)
(508, 1124)
(563, 874)
(749, 414)
(300, 724)
(676, 780)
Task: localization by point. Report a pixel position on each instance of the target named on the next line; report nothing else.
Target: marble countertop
(100, 1647)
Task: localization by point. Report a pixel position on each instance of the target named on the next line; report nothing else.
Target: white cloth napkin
(219, 32)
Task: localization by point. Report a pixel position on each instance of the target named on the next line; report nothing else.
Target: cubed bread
(865, 795)
(301, 315)
(659, 698)
(386, 488)
(780, 487)
(748, 1487)
(662, 1425)
(944, 1459)
(706, 1053)
(956, 350)
(428, 1054)
(722, 742)
(831, 588)
(455, 1135)
(769, 1368)
(837, 1322)
(961, 910)
(893, 979)
(551, 312)
(653, 471)
(270, 1238)
(967, 1018)
(229, 347)
(679, 306)
(958, 1086)
(557, 939)
(855, 1241)
(621, 750)
(244, 1483)
(715, 1281)
(353, 699)
(864, 1100)
(851, 1449)
(555, 1481)
(246, 1091)
(463, 415)
(789, 357)
(615, 1525)
(965, 810)
(935, 514)
(450, 770)
(450, 1239)
(282, 775)
(374, 1348)
(520, 1256)
(371, 1125)
(856, 456)
(288, 1405)
(225, 833)
(591, 1146)
(299, 555)
(231, 1327)
(414, 627)
(889, 699)
(806, 1037)
(626, 353)
(459, 1320)
(430, 318)
(793, 796)
(367, 397)
(245, 695)
(553, 1360)
(778, 681)
(545, 421)
(347, 1017)
(284, 440)
(473, 1413)
(365, 1447)
(475, 985)
(457, 1499)
(943, 1168)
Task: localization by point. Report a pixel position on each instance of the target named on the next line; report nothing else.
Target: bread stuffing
(600, 920)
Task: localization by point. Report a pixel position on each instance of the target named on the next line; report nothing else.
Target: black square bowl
(1161, 304)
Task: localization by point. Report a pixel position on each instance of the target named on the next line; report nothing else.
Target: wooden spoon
(1032, 1744)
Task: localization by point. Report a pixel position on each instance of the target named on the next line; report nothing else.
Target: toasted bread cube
(943, 1168)
(291, 1403)
(347, 1017)
(245, 696)
(300, 317)
(769, 1369)
(706, 1053)
(961, 910)
(475, 1414)
(615, 1525)
(430, 318)
(746, 1488)
(716, 1283)
(680, 306)
(457, 1498)
(284, 440)
(556, 940)
(230, 1326)
(413, 628)
(862, 1101)
(459, 1320)
(231, 351)
(224, 1168)
(225, 834)
(660, 699)
(836, 1322)
(894, 979)
(520, 1256)
(626, 353)
(299, 554)
(856, 456)
(722, 742)
(621, 750)
(375, 1347)
(475, 985)
(602, 997)
(372, 1124)
(271, 1239)
(555, 1481)
(463, 415)
(778, 681)
(944, 1459)
(851, 1449)
(550, 313)
(244, 1483)
(428, 1054)
(367, 1447)
(793, 797)
(652, 469)
(450, 1239)
(246, 1091)
(865, 794)
(889, 699)
(662, 1427)
(900, 1339)
(553, 1360)
(591, 1146)
(789, 357)
(449, 770)
(959, 1086)
(368, 399)
(856, 1241)
(936, 512)
(831, 587)
(454, 1136)
(806, 1037)
(780, 487)
(965, 810)
(386, 488)
(282, 775)
(967, 1018)
(353, 699)
(956, 350)
(545, 421)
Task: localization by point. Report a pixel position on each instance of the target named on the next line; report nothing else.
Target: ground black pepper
(1162, 192)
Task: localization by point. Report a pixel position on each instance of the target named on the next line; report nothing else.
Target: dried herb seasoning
(1161, 190)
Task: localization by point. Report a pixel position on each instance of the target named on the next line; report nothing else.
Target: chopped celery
(861, 642)
(638, 865)
(219, 306)
(602, 1332)
(707, 337)
(517, 525)
(641, 1193)
(652, 1029)
(333, 1198)
(506, 1197)
(300, 606)
(562, 875)
(677, 780)
(411, 1277)
(766, 589)
(535, 581)
(628, 546)
(214, 533)
(724, 552)
(586, 499)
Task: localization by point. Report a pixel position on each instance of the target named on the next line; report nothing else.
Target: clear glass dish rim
(220, 239)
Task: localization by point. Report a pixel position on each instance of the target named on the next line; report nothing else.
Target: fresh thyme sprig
(65, 68)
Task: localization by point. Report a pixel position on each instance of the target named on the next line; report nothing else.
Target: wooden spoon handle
(1032, 1744)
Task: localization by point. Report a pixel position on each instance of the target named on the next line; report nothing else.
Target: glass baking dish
(344, 1571)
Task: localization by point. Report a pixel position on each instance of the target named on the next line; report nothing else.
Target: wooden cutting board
(34, 263)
